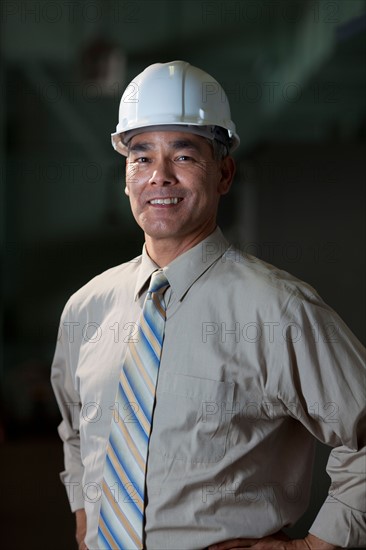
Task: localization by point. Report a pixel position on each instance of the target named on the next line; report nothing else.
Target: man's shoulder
(263, 279)
(106, 284)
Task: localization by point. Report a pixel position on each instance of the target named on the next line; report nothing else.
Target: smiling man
(193, 380)
(174, 185)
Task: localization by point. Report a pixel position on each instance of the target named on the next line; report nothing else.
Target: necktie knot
(158, 283)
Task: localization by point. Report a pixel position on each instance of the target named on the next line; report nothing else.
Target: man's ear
(127, 192)
(228, 169)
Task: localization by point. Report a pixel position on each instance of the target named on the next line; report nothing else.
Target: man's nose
(163, 173)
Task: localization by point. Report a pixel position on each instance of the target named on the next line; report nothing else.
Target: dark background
(294, 72)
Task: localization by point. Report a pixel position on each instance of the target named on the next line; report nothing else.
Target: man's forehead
(173, 139)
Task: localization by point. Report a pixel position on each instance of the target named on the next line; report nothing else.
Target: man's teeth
(174, 200)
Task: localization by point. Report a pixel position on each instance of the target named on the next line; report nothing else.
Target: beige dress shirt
(254, 367)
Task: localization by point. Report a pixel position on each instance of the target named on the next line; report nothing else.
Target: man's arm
(69, 404)
(80, 517)
(323, 375)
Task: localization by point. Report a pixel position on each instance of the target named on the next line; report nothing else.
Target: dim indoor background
(294, 72)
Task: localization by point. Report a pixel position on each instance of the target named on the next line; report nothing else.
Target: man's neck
(164, 251)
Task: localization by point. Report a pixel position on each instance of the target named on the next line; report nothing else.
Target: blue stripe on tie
(156, 316)
(153, 315)
(148, 345)
(139, 398)
(132, 412)
(119, 539)
(131, 470)
(120, 545)
(125, 530)
(140, 445)
(101, 536)
(150, 321)
(134, 374)
(127, 470)
(127, 498)
(111, 531)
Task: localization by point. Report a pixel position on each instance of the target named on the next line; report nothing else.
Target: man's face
(174, 184)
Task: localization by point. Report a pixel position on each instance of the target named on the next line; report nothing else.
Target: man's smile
(165, 201)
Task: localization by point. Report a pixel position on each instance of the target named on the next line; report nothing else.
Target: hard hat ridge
(174, 94)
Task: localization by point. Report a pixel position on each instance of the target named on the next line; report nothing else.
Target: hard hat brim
(120, 140)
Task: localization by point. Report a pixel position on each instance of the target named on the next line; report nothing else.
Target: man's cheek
(131, 174)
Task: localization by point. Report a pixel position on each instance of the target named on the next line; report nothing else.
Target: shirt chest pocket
(191, 418)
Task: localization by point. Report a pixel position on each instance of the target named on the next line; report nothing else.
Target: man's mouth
(168, 200)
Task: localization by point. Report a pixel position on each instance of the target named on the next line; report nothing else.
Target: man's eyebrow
(184, 144)
(140, 147)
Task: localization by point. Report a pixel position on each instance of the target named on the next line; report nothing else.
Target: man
(250, 364)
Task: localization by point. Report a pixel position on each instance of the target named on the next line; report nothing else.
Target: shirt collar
(184, 270)
(188, 267)
(147, 268)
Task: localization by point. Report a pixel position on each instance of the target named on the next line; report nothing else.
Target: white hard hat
(178, 95)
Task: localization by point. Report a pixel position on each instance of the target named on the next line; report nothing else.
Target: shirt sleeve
(324, 379)
(68, 401)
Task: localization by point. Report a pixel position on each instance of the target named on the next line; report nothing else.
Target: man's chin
(162, 231)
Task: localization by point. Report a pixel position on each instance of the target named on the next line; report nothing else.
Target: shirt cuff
(340, 525)
(74, 492)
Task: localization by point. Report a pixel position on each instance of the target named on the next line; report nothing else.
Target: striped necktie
(121, 518)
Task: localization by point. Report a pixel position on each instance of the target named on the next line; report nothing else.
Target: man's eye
(141, 160)
(184, 157)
